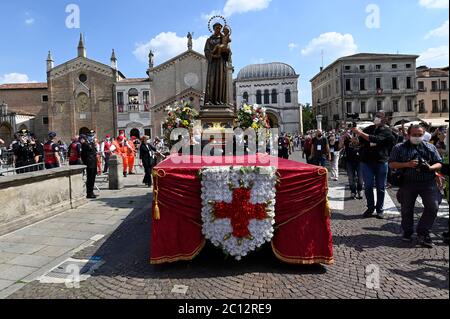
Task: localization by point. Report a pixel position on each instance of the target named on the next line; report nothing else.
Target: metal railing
(7, 166)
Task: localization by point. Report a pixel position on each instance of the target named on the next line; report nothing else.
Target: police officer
(25, 153)
(39, 149)
(89, 158)
(51, 152)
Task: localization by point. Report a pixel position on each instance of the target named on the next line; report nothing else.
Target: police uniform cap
(52, 134)
(23, 132)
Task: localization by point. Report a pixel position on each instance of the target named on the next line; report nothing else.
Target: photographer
(350, 145)
(376, 143)
(418, 161)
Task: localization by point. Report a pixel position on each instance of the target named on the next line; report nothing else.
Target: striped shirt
(406, 152)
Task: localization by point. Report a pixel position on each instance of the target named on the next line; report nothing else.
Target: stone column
(115, 172)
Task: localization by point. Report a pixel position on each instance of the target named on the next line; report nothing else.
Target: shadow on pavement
(432, 275)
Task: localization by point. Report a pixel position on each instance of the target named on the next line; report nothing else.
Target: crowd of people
(29, 154)
(413, 158)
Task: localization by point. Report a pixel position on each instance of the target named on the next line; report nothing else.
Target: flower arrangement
(238, 207)
(180, 115)
(252, 116)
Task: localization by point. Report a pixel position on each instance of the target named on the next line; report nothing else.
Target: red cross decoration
(240, 211)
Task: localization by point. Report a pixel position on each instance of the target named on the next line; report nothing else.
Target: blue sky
(290, 31)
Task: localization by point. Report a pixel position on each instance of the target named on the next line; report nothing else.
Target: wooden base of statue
(218, 123)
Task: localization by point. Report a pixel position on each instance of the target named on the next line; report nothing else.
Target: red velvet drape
(302, 230)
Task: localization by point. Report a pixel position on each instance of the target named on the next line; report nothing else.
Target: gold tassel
(156, 213)
(327, 208)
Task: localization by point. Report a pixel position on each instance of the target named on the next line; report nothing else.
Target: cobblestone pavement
(406, 270)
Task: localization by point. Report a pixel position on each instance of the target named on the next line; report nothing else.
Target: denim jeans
(375, 175)
(355, 178)
(320, 161)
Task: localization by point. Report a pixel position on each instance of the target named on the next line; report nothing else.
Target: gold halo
(220, 17)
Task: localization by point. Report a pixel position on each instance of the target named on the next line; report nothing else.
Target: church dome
(266, 71)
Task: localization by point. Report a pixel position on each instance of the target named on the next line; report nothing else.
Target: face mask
(416, 140)
(377, 121)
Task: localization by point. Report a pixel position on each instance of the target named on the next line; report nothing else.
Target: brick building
(24, 106)
(81, 95)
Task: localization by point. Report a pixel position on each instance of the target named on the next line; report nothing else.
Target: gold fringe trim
(303, 261)
(181, 257)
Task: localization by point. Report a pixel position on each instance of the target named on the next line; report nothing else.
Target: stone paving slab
(14, 273)
(5, 284)
(30, 261)
(52, 251)
(19, 248)
(5, 257)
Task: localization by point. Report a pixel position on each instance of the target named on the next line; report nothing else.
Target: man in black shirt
(89, 158)
(376, 143)
(320, 151)
(351, 146)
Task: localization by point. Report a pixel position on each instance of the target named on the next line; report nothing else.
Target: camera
(423, 166)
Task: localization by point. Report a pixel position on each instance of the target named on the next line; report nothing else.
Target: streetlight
(319, 119)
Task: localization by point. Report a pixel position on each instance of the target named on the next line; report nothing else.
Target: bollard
(115, 172)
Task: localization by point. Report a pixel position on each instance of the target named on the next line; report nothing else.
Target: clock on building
(82, 102)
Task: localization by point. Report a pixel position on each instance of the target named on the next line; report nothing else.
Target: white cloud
(333, 43)
(29, 20)
(15, 78)
(239, 6)
(442, 31)
(167, 45)
(434, 4)
(435, 57)
(292, 46)
(242, 6)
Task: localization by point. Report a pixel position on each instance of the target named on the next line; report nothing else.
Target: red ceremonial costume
(302, 214)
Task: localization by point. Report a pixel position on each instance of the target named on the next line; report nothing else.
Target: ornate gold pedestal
(218, 122)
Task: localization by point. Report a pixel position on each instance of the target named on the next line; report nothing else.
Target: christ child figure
(223, 47)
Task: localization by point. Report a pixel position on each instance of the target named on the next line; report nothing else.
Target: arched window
(288, 98)
(274, 96)
(266, 97)
(245, 97)
(258, 97)
(133, 96)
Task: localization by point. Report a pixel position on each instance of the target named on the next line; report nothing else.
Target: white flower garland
(218, 184)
